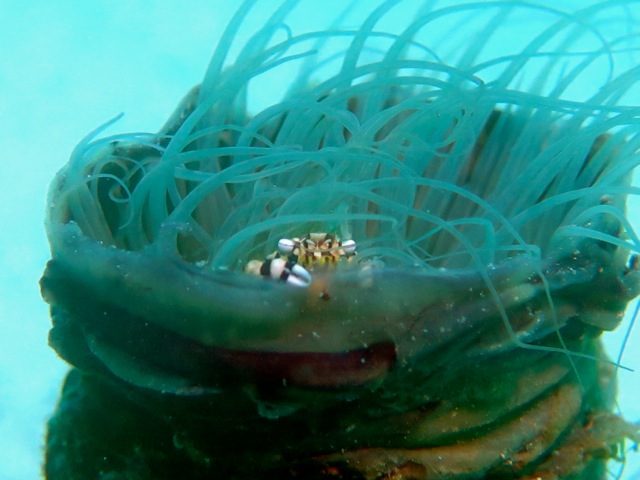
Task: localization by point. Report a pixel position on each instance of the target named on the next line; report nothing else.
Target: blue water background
(65, 68)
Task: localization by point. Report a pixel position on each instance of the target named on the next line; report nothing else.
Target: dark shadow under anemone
(485, 188)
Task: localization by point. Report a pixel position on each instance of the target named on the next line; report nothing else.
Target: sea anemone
(483, 177)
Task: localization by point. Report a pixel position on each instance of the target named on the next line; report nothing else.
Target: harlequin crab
(295, 257)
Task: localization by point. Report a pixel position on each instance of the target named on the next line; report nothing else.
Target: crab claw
(299, 276)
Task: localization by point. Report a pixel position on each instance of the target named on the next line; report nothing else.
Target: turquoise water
(64, 69)
(67, 67)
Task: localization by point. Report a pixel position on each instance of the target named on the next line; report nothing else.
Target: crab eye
(349, 247)
(286, 245)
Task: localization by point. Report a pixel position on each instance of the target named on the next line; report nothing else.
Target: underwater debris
(464, 339)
